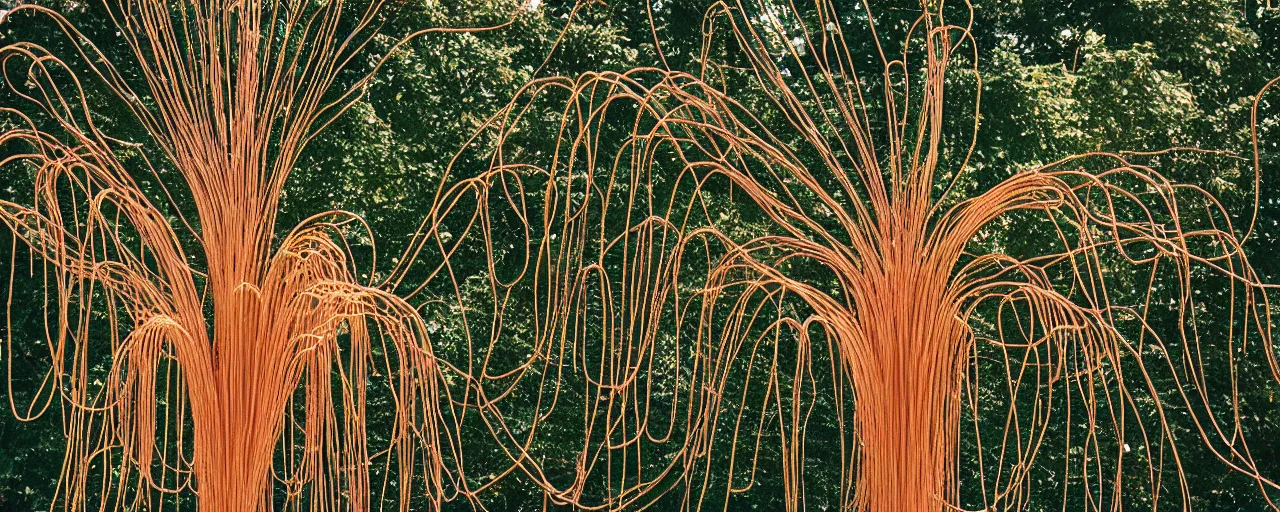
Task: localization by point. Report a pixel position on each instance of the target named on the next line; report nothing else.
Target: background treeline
(1058, 78)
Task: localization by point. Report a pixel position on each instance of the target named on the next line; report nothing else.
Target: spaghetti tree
(697, 290)
(240, 363)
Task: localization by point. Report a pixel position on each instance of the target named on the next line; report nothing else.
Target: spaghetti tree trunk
(246, 404)
(235, 437)
(905, 372)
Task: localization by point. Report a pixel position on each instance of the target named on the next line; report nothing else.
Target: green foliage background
(1059, 78)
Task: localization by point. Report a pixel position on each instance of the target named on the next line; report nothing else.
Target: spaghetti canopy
(776, 274)
(773, 274)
